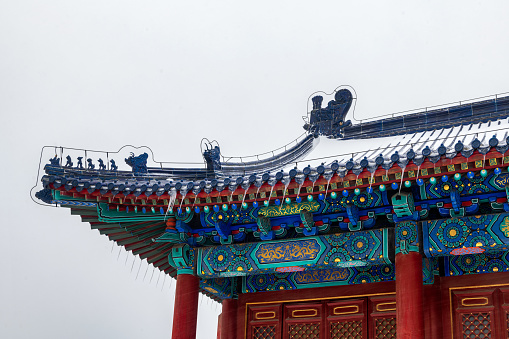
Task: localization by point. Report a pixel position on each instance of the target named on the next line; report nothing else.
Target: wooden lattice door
(480, 313)
(382, 317)
(346, 319)
(358, 318)
(303, 321)
(265, 322)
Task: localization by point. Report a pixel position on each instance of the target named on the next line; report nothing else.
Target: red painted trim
(427, 164)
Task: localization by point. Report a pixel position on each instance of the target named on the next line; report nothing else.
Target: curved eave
(136, 237)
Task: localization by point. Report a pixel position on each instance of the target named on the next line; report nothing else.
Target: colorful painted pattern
(290, 269)
(291, 251)
(223, 288)
(429, 270)
(465, 235)
(325, 206)
(365, 207)
(465, 186)
(292, 209)
(182, 257)
(346, 249)
(331, 277)
(488, 262)
(407, 238)
(317, 278)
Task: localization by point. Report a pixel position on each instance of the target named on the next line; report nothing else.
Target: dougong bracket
(181, 257)
(307, 221)
(265, 227)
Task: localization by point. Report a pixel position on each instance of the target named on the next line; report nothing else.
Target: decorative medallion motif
(453, 232)
(358, 246)
(241, 265)
(337, 255)
(406, 237)
(221, 259)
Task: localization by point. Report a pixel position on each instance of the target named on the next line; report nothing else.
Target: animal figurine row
(90, 165)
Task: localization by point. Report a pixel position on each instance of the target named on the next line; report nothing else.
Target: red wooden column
(229, 319)
(185, 311)
(219, 326)
(409, 289)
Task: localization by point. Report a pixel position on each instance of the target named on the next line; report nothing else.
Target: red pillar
(409, 296)
(185, 311)
(229, 319)
(219, 326)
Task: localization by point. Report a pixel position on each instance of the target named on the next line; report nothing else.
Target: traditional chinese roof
(326, 160)
(149, 209)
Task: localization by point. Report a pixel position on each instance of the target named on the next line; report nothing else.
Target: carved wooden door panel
(346, 319)
(264, 322)
(303, 321)
(382, 317)
(358, 318)
(477, 314)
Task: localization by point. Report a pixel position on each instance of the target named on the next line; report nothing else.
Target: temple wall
(449, 306)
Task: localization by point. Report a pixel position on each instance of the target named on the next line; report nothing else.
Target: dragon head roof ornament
(330, 121)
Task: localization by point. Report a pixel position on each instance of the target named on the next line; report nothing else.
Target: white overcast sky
(102, 74)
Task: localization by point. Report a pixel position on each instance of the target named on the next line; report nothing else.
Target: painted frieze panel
(466, 235)
(342, 275)
(317, 278)
(487, 262)
(326, 251)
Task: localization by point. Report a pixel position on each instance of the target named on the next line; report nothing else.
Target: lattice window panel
(304, 331)
(264, 332)
(346, 330)
(476, 325)
(385, 328)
